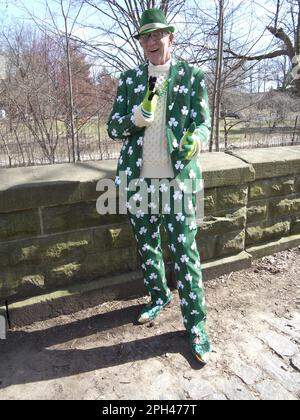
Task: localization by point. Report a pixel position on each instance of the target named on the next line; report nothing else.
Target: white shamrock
(120, 99)
(183, 89)
(153, 219)
(195, 330)
(140, 214)
(179, 165)
(129, 81)
(183, 302)
(185, 110)
(143, 231)
(146, 247)
(193, 296)
(173, 122)
(188, 278)
(116, 116)
(194, 312)
(193, 113)
(175, 144)
(170, 227)
(151, 189)
(128, 172)
(139, 89)
(159, 302)
(177, 195)
(180, 285)
(192, 174)
(139, 163)
(181, 238)
(167, 209)
(139, 72)
(163, 188)
(184, 259)
(180, 217)
(177, 268)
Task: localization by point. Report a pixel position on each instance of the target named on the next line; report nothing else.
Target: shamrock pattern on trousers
(185, 259)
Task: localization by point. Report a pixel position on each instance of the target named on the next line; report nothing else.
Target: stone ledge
(271, 162)
(271, 248)
(124, 286)
(53, 185)
(221, 169)
(49, 185)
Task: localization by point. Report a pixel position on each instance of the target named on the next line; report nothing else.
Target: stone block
(284, 207)
(260, 233)
(216, 225)
(232, 197)
(271, 188)
(230, 244)
(19, 224)
(25, 281)
(272, 162)
(221, 169)
(295, 228)
(93, 266)
(45, 249)
(257, 212)
(210, 200)
(206, 246)
(75, 216)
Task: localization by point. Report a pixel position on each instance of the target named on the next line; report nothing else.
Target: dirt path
(100, 353)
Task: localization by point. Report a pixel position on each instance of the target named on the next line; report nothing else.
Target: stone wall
(52, 240)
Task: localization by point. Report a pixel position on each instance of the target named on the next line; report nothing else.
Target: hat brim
(147, 31)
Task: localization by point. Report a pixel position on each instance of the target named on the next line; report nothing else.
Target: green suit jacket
(187, 102)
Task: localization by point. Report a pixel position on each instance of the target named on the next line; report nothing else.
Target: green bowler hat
(153, 20)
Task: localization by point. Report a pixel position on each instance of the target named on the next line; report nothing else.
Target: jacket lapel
(174, 85)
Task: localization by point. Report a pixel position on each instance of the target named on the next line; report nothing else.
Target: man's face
(157, 46)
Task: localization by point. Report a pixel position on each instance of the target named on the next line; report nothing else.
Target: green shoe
(151, 311)
(200, 347)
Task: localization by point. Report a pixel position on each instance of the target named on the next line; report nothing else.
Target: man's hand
(149, 103)
(188, 144)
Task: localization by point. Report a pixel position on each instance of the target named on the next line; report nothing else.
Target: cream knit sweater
(156, 158)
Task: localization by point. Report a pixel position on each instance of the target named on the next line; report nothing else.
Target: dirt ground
(101, 352)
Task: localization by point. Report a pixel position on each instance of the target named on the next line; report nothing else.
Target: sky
(12, 11)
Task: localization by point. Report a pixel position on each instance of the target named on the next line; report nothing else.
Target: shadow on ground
(28, 356)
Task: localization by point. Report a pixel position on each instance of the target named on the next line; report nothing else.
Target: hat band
(153, 26)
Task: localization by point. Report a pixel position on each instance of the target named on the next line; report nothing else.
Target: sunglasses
(156, 36)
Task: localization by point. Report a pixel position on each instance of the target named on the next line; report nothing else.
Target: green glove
(188, 144)
(149, 103)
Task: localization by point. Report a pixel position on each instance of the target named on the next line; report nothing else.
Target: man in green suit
(162, 113)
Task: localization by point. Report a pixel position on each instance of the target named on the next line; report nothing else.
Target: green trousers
(181, 229)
